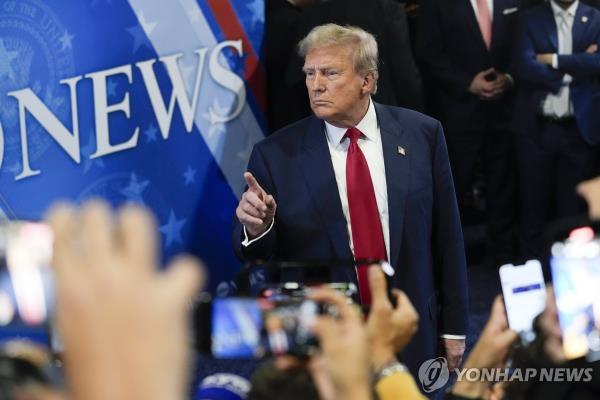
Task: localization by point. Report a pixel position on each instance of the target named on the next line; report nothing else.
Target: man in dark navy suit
(464, 48)
(364, 180)
(556, 112)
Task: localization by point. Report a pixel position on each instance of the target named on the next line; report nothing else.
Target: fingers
(252, 211)
(185, 276)
(246, 219)
(404, 305)
(498, 314)
(61, 219)
(336, 299)
(271, 204)
(487, 71)
(378, 286)
(585, 188)
(97, 233)
(507, 338)
(324, 329)
(253, 183)
(255, 201)
(138, 237)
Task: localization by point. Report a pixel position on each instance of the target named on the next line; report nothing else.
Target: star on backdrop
(150, 133)
(66, 41)
(189, 176)
(135, 190)
(172, 229)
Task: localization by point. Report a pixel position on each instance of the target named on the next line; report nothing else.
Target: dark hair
(270, 383)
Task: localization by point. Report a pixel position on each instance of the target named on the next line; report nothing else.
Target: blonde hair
(365, 52)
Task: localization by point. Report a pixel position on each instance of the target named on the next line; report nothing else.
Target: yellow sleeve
(400, 385)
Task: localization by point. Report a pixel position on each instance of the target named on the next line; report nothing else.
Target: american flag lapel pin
(401, 151)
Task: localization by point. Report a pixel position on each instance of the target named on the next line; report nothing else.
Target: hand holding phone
(524, 293)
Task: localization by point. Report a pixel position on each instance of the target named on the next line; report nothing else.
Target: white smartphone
(524, 293)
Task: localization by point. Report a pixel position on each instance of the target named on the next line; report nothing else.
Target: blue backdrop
(145, 101)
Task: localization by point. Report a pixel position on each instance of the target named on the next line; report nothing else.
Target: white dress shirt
(370, 145)
(559, 105)
(490, 4)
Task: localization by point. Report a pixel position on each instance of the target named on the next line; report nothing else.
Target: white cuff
(510, 79)
(555, 61)
(247, 242)
(457, 337)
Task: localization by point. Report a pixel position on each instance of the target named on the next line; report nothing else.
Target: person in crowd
(490, 351)
(546, 351)
(532, 3)
(222, 386)
(590, 191)
(123, 322)
(399, 79)
(464, 50)
(389, 329)
(361, 180)
(281, 22)
(28, 373)
(556, 113)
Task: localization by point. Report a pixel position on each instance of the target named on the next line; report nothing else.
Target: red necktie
(485, 22)
(367, 234)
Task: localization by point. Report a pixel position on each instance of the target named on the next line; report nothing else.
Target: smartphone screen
(524, 294)
(575, 266)
(26, 290)
(244, 328)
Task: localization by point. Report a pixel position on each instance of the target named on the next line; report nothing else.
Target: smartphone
(524, 294)
(575, 266)
(26, 289)
(254, 328)
(293, 290)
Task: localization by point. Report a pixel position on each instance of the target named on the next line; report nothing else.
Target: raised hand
(256, 208)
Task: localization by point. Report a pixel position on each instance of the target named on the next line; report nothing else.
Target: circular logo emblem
(36, 52)
(434, 374)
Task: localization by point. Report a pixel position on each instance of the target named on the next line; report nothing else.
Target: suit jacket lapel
(397, 168)
(317, 167)
(579, 27)
(549, 25)
(497, 26)
(469, 12)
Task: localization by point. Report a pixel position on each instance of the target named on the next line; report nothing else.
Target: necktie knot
(353, 134)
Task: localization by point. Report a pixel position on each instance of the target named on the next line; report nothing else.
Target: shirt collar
(570, 11)
(367, 125)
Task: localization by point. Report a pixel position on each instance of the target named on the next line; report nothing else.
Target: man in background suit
(556, 113)
(464, 49)
(281, 21)
(359, 179)
(533, 3)
(399, 78)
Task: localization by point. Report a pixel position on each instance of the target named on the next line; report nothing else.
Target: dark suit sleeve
(405, 74)
(431, 53)
(448, 245)
(581, 65)
(264, 248)
(531, 73)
